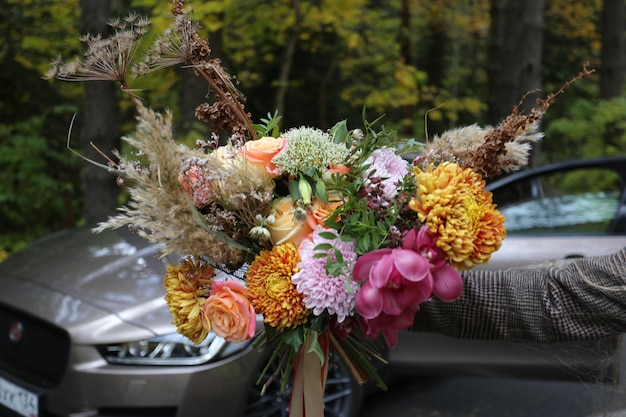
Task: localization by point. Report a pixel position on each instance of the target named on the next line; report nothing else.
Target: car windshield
(575, 214)
(580, 201)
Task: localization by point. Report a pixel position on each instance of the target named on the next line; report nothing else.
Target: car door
(561, 212)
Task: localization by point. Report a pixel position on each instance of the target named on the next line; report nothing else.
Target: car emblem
(15, 331)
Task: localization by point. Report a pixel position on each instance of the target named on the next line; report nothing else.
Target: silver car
(84, 330)
(554, 213)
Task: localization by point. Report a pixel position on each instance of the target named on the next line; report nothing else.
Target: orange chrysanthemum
(187, 287)
(270, 289)
(453, 203)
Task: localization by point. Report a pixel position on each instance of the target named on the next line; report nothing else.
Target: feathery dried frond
(182, 44)
(112, 58)
(172, 47)
(486, 159)
(104, 58)
(492, 151)
(459, 145)
(158, 210)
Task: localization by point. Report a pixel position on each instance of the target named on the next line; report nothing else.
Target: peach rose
(288, 226)
(229, 311)
(335, 169)
(339, 169)
(319, 212)
(263, 150)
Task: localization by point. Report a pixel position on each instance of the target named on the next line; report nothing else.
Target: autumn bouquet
(333, 237)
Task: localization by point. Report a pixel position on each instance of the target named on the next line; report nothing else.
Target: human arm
(585, 299)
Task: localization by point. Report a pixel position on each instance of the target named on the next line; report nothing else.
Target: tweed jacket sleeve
(585, 299)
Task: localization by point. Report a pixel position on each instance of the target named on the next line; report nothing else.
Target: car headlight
(172, 349)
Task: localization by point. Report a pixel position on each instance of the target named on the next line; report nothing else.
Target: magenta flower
(389, 325)
(447, 282)
(395, 282)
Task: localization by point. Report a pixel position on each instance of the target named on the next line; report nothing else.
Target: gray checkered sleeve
(585, 299)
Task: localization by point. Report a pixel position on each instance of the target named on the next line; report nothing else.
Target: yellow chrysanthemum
(455, 206)
(187, 287)
(270, 289)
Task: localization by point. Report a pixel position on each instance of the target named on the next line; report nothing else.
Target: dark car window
(580, 201)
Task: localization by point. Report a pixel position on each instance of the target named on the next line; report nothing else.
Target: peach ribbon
(309, 379)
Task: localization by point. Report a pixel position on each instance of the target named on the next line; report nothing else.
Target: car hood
(99, 287)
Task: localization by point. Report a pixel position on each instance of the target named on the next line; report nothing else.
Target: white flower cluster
(310, 149)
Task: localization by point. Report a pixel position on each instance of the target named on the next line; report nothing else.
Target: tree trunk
(287, 62)
(515, 61)
(408, 110)
(613, 52)
(193, 91)
(100, 125)
(515, 54)
(435, 65)
(322, 101)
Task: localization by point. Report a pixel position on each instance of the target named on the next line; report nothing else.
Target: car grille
(37, 354)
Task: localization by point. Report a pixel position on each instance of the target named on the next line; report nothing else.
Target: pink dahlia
(323, 290)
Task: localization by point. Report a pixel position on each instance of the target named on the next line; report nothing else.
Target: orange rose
(319, 212)
(335, 169)
(339, 169)
(262, 151)
(230, 312)
(289, 225)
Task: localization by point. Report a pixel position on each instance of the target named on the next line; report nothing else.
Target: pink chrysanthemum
(389, 168)
(323, 290)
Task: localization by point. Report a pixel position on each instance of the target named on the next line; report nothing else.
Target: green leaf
(346, 238)
(294, 337)
(320, 191)
(348, 287)
(294, 189)
(323, 246)
(315, 347)
(271, 124)
(328, 235)
(339, 131)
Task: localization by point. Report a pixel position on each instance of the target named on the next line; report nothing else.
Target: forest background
(425, 65)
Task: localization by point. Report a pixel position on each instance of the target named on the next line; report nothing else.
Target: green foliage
(591, 128)
(348, 54)
(590, 180)
(40, 180)
(34, 32)
(575, 24)
(36, 29)
(374, 224)
(37, 195)
(269, 125)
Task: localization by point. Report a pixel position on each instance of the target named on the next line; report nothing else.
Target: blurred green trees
(424, 64)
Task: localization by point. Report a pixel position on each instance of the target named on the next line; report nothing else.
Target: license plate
(18, 399)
